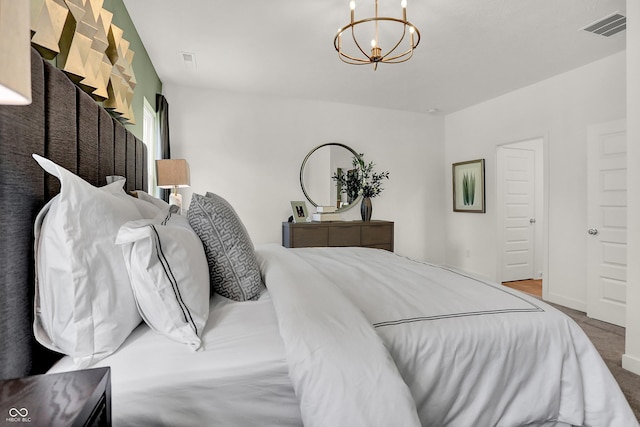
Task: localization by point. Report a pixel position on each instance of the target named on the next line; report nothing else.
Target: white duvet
(374, 339)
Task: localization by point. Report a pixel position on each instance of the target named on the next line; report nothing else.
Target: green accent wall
(149, 83)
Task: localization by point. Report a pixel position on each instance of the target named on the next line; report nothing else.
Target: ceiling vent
(608, 26)
(189, 60)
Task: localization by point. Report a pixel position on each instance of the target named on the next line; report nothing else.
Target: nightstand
(76, 398)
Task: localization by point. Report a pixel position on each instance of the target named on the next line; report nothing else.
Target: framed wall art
(468, 186)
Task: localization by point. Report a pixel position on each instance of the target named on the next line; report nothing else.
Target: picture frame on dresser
(468, 186)
(299, 211)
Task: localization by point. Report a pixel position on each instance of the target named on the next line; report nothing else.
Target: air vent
(608, 25)
(189, 60)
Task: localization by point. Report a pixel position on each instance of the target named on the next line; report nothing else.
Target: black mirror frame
(304, 162)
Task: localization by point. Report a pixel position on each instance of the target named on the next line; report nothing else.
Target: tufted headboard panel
(65, 125)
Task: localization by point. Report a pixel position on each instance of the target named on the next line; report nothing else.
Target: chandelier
(399, 47)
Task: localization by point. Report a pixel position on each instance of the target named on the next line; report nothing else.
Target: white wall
(631, 358)
(559, 110)
(249, 148)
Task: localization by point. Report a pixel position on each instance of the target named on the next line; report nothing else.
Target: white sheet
(240, 379)
(472, 353)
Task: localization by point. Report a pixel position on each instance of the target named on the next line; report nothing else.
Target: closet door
(607, 222)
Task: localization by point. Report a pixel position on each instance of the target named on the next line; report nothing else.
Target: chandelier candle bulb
(376, 54)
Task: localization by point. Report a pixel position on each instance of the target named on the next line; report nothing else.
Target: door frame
(541, 246)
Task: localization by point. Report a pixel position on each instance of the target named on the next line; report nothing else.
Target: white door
(607, 222)
(517, 185)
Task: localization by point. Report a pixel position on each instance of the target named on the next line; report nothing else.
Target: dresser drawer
(373, 235)
(344, 236)
(310, 236)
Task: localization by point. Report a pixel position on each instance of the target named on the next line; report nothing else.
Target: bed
(65, 125)
(322, 337)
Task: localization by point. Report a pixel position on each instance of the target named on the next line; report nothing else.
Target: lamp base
(176, 199)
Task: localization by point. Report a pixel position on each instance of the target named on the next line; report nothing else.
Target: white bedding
(361, 337)
(472, 354)
(339, 367)
(239, 379)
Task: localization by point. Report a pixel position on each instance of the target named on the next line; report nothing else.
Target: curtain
(164, 152)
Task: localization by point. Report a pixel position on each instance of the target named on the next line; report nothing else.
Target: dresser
(76, 398)
(370, 234)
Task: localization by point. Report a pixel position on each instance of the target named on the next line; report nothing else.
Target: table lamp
(15, 51)
(173, 173)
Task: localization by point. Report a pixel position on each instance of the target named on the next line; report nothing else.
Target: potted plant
(361, 180)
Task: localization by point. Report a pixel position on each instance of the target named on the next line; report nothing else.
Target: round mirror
(317, 171)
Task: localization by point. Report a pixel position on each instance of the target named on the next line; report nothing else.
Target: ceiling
(470, 50)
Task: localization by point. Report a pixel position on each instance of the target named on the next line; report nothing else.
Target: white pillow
(169, 275)
(147, 210)
(84, 306)
(143, 195)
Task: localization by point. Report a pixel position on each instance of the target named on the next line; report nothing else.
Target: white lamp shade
(15, 52)
(172, 173)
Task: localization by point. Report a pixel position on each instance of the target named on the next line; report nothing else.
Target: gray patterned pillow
(233, 268)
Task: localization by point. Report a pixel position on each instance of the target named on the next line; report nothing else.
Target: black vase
(366, 209)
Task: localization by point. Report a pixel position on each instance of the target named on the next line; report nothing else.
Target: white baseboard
(565, 302)
(631, 363)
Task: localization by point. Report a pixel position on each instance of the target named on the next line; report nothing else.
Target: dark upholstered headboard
(65, 125)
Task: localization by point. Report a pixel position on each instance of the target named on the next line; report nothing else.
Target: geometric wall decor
(122, 81)
(47, 21)
(89, 48)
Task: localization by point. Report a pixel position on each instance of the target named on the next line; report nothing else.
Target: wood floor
(532, 286)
